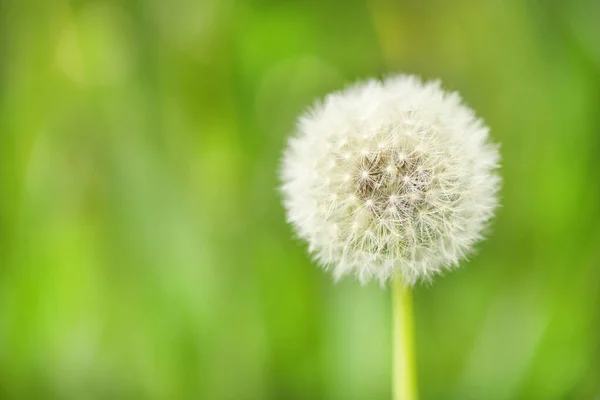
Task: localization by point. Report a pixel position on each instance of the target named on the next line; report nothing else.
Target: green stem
(404, 376)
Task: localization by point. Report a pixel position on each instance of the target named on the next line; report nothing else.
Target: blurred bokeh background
(143, 248)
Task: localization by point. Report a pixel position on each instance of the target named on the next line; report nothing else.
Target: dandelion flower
(390, 179)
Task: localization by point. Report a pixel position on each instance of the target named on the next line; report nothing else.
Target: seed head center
(391, 178)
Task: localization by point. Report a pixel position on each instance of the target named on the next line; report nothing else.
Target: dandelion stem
(404, 379)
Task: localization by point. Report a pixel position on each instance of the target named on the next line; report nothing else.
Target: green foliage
(143, 247)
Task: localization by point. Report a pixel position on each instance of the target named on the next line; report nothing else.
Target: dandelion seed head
(392, 178)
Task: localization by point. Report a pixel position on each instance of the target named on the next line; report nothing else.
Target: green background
(143, 248)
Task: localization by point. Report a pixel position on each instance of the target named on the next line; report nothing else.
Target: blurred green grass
(144, 252)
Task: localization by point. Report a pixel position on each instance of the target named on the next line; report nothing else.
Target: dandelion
(390, 179)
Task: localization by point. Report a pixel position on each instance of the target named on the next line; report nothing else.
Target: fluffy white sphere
(392, 178)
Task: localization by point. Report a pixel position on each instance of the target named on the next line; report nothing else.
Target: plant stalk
(404, 378)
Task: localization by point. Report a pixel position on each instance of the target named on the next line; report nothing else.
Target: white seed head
(392, 178)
